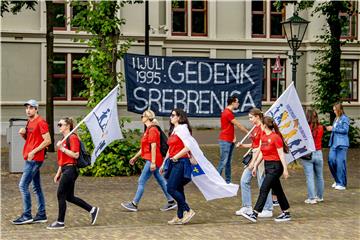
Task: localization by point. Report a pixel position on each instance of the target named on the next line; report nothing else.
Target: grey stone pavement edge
(338, 217)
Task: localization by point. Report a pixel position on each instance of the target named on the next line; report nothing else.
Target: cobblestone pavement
(336, 218)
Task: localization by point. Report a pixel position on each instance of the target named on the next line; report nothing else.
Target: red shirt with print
(256, 136)
(318, 133)
(269, 145)
(151, 135)
(175, 146)
(63, 158)
(227, 127)
(34, 130)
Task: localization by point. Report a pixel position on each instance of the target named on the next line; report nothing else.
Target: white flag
(290, 117)
(103, 123)
(204, 174)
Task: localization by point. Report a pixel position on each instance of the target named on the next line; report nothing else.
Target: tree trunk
(49, 71)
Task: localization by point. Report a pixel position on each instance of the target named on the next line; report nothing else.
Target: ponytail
(269, 122)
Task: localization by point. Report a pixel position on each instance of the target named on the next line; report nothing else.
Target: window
(76, 10)
(59, 76)
(271, 79)
(64, 77)
(349, 70)
(59, 16)
(196, 11)
(349, 27)
(77, 80)
(263, 11)
(258, 18)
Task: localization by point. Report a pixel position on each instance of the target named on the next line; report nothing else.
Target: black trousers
(66, 189)
(273, 172)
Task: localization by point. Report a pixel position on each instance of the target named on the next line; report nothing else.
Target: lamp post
(295, 28)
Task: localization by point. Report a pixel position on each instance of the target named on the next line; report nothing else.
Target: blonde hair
(151, 115)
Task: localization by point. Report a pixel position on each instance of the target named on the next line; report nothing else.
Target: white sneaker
(319, 199)
(338, 187)
(242, 210)
(310, 201)
(333, 185)
(265, 214)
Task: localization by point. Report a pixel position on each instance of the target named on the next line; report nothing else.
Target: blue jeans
(337, 165)
(176, 183)
(30, 174)
(314, 169)
(144, 177)
(226, 149)
(245, 184)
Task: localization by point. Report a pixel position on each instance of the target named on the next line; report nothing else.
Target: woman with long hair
(150, 152)
(313, 168)
(68, 153)
(178, 169)
(256, 118)
(339, 144)
(272, 149)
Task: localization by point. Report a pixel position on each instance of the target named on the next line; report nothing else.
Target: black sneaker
(169, 206)
(276, 203)
(56, 225)
(40, 219)
(283, 217)
(252, 216)
(94, 213)
(130, 206)
(22, 220)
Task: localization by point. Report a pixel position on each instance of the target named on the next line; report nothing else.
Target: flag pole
(83, 120)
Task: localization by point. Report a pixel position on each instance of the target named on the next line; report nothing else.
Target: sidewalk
(336, 218)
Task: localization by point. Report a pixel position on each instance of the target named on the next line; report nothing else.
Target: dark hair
(269, 122)
(183, 119)
(339, 108)
(312, 118)
(232, 99)
(70, 122)
(257, 112)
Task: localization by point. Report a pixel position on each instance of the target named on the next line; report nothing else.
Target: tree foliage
(16, 6)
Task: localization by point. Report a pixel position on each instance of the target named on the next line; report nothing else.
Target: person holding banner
(272, 149)
(313, 167)
(150, 151)
(67, 174)
(178, 168)
(227, 136)
(339, 144)
(256, 118)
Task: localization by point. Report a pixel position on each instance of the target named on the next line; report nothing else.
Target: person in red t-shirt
(313, 168)
(272, 149)
(256, 118)
(178, 169)
(37, 138)
(150, 152)
(68, 151)
(227, 136)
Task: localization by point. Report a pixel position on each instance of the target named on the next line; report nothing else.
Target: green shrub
(354, 134)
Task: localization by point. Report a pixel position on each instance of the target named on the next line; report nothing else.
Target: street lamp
(295, 28)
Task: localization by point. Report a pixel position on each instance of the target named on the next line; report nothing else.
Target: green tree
(100, 20)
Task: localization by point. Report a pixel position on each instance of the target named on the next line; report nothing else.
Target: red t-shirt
(318, 133)
(175, 146)
(151, 135)
(269, 145)
(227, 127)
(34, 131)
(64, 159)
(256, 136)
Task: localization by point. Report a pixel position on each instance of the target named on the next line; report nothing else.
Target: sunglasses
(172, 115)
(60, 124)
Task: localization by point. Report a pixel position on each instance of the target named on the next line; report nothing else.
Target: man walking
(227, 136)
(37, 138)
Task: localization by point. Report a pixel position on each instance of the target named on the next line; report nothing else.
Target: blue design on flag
(196, 170)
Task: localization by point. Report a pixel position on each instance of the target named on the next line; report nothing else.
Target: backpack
(163, 141)
(84, 158)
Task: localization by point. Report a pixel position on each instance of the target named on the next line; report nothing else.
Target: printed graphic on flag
(197, 171)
